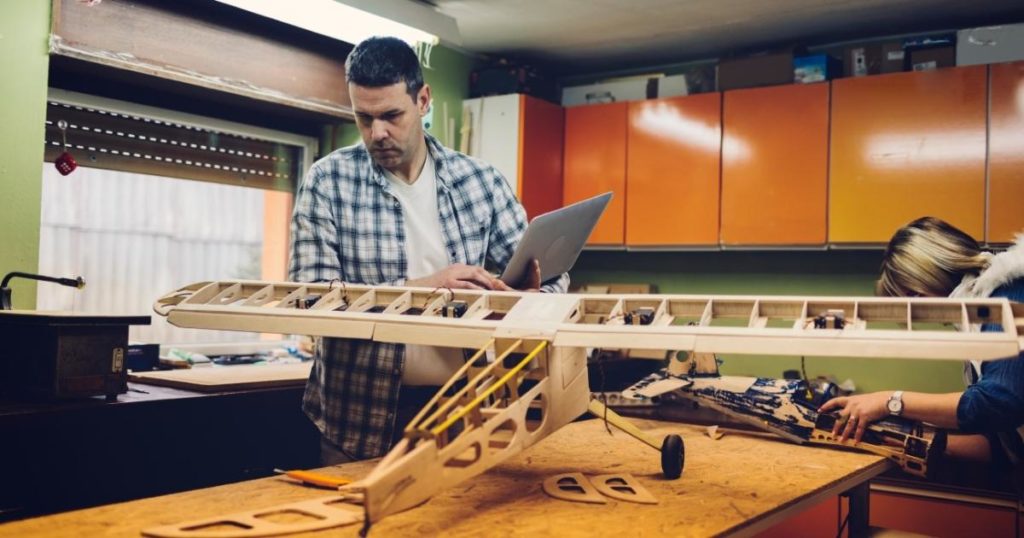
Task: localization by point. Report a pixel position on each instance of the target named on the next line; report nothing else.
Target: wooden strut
(491, 410)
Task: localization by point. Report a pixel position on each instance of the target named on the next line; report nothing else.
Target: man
(398, 209)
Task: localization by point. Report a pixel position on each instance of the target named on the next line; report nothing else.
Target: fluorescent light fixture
(351, 24)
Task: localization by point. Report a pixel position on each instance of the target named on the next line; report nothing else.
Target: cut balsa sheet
(303, 516)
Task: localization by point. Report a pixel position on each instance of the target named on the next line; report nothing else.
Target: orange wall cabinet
(595, 162)
(673, 171)
(541, 132)
(521, 136)
(1006, 153)
(904, 146)
(775, 165)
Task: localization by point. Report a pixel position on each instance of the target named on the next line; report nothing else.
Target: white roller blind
(134, 237)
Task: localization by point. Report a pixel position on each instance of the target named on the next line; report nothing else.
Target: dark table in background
(65, 455)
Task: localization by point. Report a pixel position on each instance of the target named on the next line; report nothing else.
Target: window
(128, 223)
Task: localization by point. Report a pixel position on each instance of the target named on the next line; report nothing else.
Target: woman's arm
(969, 447)
(856, 412)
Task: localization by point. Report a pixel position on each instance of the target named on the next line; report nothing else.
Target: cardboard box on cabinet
(931, 52)
(873, 59)
(630, 89)
(933, 58)
(988, 45)
(815, 68)
(611, 91)
(893, 57)
(862, 60)
(754, 71)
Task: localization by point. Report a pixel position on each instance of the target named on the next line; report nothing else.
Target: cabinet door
(1006, 153)
(541, 131)
(905, 146)
(673, 171)
(595, 162)
(775, 165)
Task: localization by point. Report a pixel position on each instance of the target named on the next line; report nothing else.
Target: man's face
(389, 121)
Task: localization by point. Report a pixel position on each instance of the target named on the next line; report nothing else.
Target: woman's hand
(856, 412)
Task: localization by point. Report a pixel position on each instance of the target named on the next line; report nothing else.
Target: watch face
(895, 406)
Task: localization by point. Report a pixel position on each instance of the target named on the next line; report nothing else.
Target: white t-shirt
(426, 255)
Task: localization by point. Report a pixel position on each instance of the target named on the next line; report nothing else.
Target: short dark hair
(383, 61)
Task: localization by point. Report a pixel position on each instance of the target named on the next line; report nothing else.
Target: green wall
(448, 77)
(836, 272)
(24, 32)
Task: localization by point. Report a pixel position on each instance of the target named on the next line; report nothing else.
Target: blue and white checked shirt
(347, 225)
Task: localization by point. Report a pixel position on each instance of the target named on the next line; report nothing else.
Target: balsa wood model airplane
(529, 375)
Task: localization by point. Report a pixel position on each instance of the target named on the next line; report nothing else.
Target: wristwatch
(895, 403)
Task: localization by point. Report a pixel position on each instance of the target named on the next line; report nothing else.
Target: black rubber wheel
(673, 456)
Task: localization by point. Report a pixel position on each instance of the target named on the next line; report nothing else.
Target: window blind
(117, 141)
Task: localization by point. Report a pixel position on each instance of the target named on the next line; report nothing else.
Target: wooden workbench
(740, 484)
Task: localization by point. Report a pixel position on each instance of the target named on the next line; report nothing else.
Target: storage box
(988, 45)
(503, 79)
(930, 52)
(673, 86)
(815, 68)
(612, 91)
(700, 78)
(932, 58)
(862, 60)
(893, 57)
(873, 59)
(751, 72)
(142, 357)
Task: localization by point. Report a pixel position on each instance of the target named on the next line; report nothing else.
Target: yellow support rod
(471, 385)
(490, 390)
(415, 423)
(600, 411)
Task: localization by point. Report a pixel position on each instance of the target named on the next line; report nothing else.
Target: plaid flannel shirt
(347, 225)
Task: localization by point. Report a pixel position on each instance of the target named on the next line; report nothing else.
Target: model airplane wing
(869, 327)
(654, 385)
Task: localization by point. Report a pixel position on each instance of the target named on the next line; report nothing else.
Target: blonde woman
(931, 258)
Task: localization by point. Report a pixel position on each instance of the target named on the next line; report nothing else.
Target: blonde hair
(928, 257)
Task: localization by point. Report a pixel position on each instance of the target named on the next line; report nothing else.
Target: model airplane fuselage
(786, 407)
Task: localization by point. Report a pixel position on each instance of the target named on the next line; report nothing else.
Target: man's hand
(459, 276)
(856, 412)
(530, 283)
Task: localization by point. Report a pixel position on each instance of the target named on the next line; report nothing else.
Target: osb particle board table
(738, 485)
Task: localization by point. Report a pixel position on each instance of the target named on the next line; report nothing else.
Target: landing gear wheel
(673, 456)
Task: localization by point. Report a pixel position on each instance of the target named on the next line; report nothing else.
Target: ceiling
(587, 36)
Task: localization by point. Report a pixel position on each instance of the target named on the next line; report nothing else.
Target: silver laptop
(555, 239)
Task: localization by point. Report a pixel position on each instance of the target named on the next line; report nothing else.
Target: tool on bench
(315, 479)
